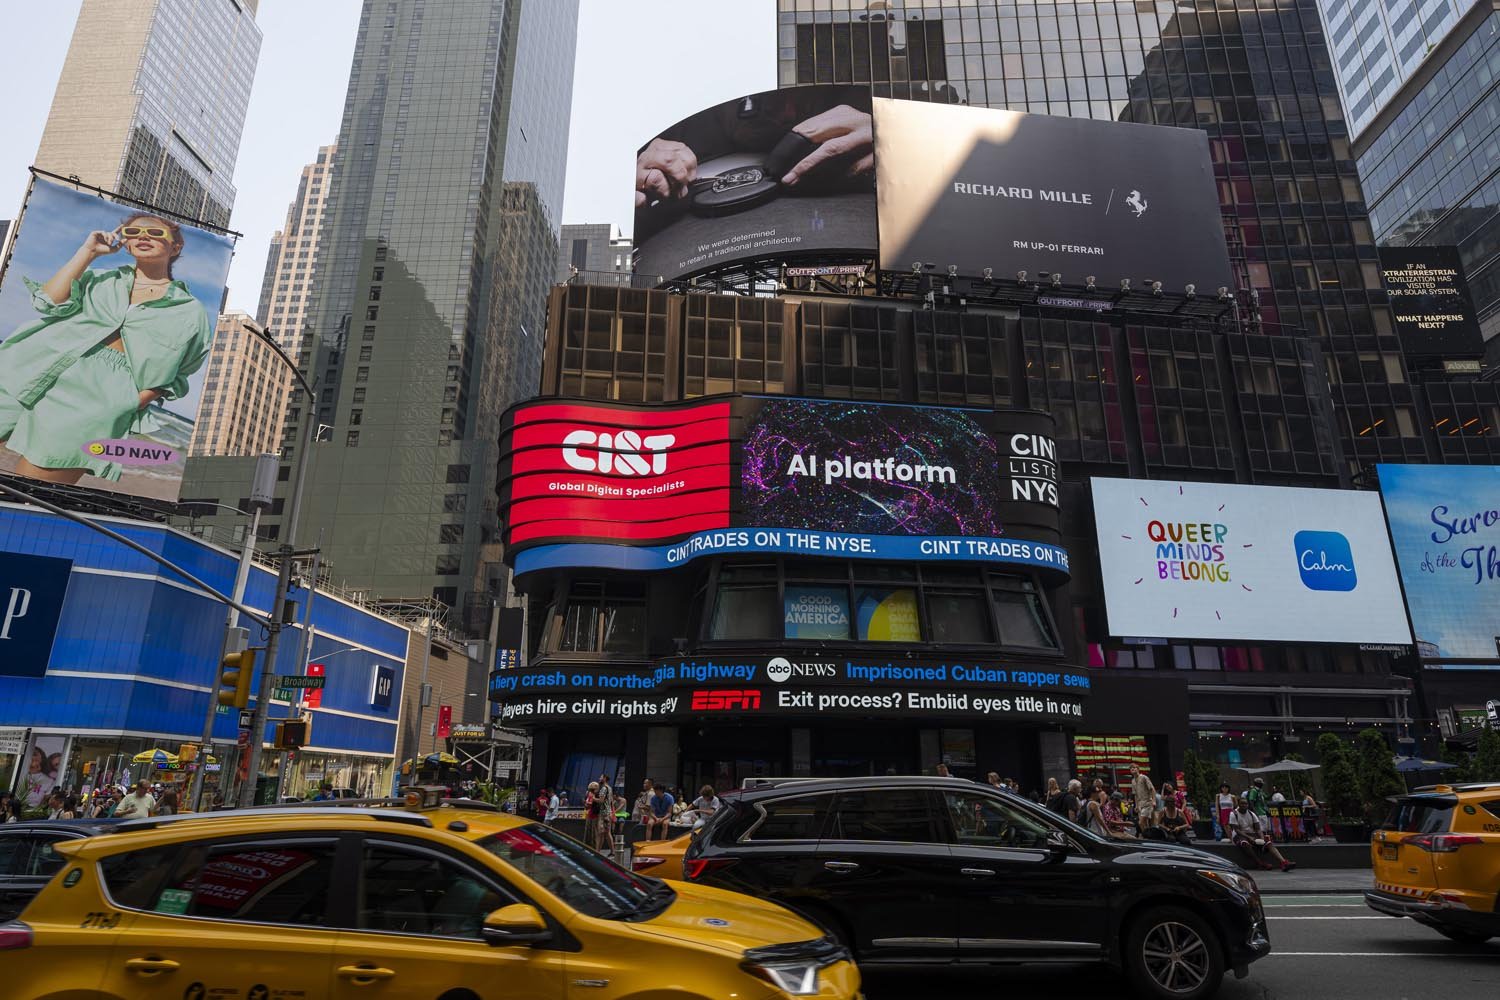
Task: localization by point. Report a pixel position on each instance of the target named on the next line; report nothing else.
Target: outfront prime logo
(1325, 560)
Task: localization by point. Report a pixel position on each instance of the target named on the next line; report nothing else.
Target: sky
(642, 65)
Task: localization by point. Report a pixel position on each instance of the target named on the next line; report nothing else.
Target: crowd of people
(608, 811)
(139, 801)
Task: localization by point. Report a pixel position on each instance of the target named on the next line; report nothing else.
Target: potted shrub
(1341, 791)
(1377, 775)
(1200, 779)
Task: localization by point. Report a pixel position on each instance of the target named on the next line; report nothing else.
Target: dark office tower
(1256, 77)
(447, 180)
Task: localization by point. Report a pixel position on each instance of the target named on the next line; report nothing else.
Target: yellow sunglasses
(155, 232)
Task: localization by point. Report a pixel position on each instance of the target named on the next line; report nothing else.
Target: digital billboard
(1246, 563)
(976, 188)
(785, 172)
(1430, 299)
(637, 487)
(778, 687)
(1445, 523)
(106, 315)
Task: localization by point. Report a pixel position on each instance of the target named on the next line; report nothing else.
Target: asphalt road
(1324, 947)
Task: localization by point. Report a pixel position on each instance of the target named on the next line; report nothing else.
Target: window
(411, 891)
(451, 534)
(746, 611)
(887, 614)
(600, 617)
(990, 821)
(269, 882)
(584, 880)
(810, 612)
(449, 565)
(458, 473)
(352, 439)
(791, 819)
(890, 815)
(1018, 610)
(958, 616)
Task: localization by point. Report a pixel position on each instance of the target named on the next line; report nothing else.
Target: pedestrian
(550, 808)
(705, 805)
(540, 805)
(1172, 824)
(167, 805)
(1145, 801)
(591, 815)
(942, 771)
(325, 792)
(1251, 836)
(1277, 798)
(660, 817)
(642, 808)
(1052, 792)
(1256, 796)
(562, 798)
(1224, 805)
(993, 780)
(54, 805)
(1066, 802)
(10, 808)
(1114, 819)
(137, 805)
(606, 828)
(1094, 814)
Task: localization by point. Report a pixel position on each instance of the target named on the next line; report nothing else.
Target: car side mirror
(1057, 845)
(519, 923)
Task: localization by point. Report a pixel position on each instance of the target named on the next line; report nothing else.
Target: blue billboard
(1445, 523)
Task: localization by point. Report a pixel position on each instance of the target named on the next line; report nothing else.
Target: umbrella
(1412, 764)
(440, 758)
(1280, 765)
(154, 756)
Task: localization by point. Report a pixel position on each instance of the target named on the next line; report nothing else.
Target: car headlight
(800, 979)
(1230, 880)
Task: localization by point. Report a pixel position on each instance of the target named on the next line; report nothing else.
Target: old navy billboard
(1445, 523)
(975, 188)
(593, 484)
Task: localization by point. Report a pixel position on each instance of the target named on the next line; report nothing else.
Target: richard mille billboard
(824, 171)
(975, 188)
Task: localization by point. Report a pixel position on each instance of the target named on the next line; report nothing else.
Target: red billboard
(581, 470)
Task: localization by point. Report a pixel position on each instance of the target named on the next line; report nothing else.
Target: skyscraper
(151, 102)
(437, 245)
(600, 255)
(293, 254)
(1377, 46)
(244, 393)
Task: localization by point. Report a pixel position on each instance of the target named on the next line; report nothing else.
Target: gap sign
(32, 589)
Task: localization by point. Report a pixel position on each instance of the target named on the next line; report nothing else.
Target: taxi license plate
(1389, 852)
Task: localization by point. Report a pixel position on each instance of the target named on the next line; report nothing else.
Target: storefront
(747, 586)
(128, 664)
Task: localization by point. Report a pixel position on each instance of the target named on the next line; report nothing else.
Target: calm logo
(1325, 561)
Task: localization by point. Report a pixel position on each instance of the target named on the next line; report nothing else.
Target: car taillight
(696, 869)
(641, 861)
(1443, 843)
(14, 935)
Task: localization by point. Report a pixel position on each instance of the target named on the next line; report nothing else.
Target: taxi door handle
(151, 966)
(840, 867)
(977, 872)
(365, 972)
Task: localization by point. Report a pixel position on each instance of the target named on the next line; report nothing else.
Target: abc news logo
(781, 670)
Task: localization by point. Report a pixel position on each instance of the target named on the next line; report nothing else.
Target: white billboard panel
(1246, 563)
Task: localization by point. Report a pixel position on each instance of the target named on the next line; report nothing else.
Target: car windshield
(1419, 816)
(586, 881)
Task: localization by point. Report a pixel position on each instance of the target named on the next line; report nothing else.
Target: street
(1327, 947)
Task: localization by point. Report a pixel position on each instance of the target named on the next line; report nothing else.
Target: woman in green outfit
(108, 344)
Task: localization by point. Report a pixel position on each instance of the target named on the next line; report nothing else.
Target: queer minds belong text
(1191, 551)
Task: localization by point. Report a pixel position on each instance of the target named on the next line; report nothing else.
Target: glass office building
(412, 333)
(1430, 160)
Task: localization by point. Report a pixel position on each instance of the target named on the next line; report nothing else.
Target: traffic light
(291, 734)
(236, 671)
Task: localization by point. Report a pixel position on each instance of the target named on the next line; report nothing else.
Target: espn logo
(725, 701)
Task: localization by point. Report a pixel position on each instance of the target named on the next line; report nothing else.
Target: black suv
(941, 870)
(27, 860)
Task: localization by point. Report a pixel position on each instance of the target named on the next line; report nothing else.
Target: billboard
(1430, 300)
(785, 172)
(785, 685)
(106, 315)
(1246, 563)
(976, 188)
(1445, 523)
(32, 590)
(651, 487)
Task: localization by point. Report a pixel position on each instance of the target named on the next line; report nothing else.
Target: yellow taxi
(1437, 860)
(450, 902)
(660, 858)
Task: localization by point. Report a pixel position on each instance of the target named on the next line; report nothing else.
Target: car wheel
(1173, 954)
(1461, 936)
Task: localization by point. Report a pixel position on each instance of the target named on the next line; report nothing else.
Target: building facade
(292, 258)
(412, 331)
(152, 99)
(244, 393)
(1378, 46)
(1428, 158)
(594, 253)
(120, 656)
